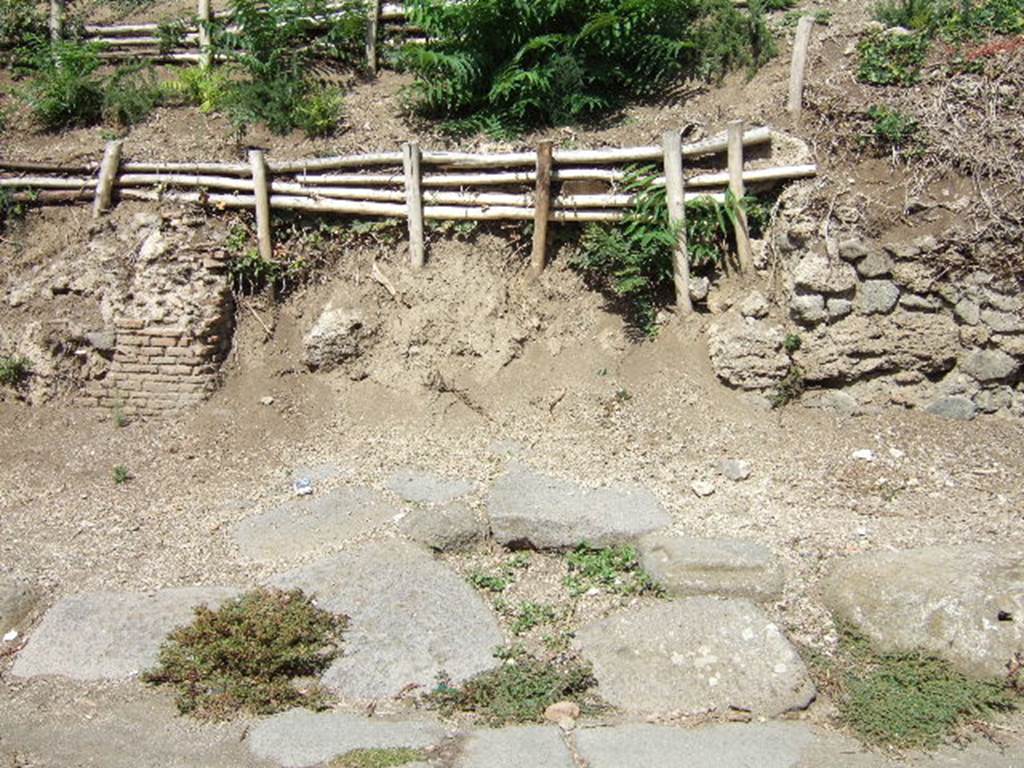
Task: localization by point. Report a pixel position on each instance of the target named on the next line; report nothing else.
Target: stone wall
(884, 324)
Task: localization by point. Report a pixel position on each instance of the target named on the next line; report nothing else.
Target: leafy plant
(502, 65)
(611, 569)
(388, 757)
(789, 388)
(518, 691)
(273, 48)
(909, 700)
(245, 655)
(206, 88)
(529, 615)
(171, 34)
(65, 91)
(792, 342)
(488, 582)
(121, 475)
(129, 94)
(22, 29)
(14, 370)
(887, 58)
(892, 130)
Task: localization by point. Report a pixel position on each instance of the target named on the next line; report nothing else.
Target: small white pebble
(864, 454)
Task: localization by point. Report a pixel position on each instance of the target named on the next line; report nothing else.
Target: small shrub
(910, 14)
(910, 700)
(790, 388)
(65, 91)
(121, 475)
(130, 94)
(22, 29)
(14, 370)
(171, 34)
(612, 569)
(891, 59)
(379, 758)
(206, 89)
(243, 656)
(516, 692)
(892, 130)
(792, 342)
(319, 113)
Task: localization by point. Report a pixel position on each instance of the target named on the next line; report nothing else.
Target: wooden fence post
(261, 192)
(541, 208)
(108, 174)
(675, 198)
(57, 19)
(204, 16)
(414, 201)
(798, 68)
(735, 152)
(372, 33)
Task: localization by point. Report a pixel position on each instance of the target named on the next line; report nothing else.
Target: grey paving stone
(304, 525)
(109, 635)
(695, 654)
(725, 567)
(963, 603)
(536, 746)
(530, 509)
(412, 619)
(445, 527)
(300, 737)
(428, 487)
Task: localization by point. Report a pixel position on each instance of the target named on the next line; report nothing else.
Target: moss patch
(378, 758)
(245, 655)
(518, 691)
(907, 700)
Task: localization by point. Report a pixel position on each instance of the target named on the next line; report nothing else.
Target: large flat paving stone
(770, 745)
(518, 746)
(110, 635)
(308, 524)
(89, 726)
(424, 487)
(687, 566)
(530, 509)
(299, 737)
(963, 604)
(695, 654)
(412, 619)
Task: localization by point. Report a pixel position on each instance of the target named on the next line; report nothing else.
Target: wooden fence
(419, 185)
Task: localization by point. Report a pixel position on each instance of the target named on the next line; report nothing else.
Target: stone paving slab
(522, 746)
(304, 525)
(109, 635)
(964, 604)
(412, 618)
(724, 567)
(300, 737)
(771, 745)
(119, 726)
(695, 654)
(530, 509)
(424, 487)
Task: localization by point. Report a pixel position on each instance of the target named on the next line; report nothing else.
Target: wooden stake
(542, 208)
(262, 195)
(746, 258)
(108, 173)
(372, 32)
(204, 17)
(675, 197)
(414, 201)
(57, 19)
(799, 66)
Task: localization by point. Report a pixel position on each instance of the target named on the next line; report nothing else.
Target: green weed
(14, 370)
(121, 474)
(892, 131)
(378, 758)
(488, 582)
(530, 615)
(792, 342)
(22, 29)
(244, 656)
(891, 59)
(518, 691)
(612, 569)
(789, 388)
(910, 700)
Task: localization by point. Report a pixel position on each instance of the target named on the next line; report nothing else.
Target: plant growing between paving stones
(379, 758)
(245, 655)
(518, 691)
(908, 700)
(613, 569)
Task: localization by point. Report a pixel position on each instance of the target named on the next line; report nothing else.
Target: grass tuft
(378, 758)
(245, 656)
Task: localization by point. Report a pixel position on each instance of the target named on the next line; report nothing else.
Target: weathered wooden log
(330, 163)
(414, 202)
(53, 197)
(230, 169)
(261, 195)
(109, 167)
(47, 182)
(542, 207)
(798, 66)
(184, 180)
(675, 200)
(736, 186)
